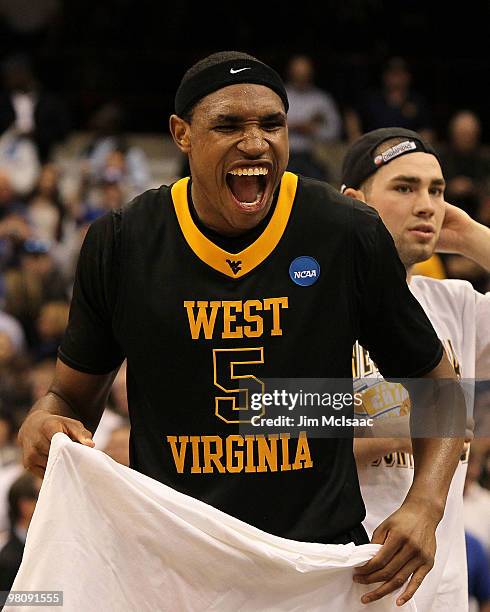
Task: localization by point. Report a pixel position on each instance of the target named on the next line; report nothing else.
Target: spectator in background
(10, 466)
(466, 166)
(18, 161)
(111, 196)
(9, 451)
(13, 225)
(477, 500)
(110, 158)
(45, 210)
(36, 282)
(12, 328)
(467, 171)
(22, 499)
(39, 379)
(27, 24)
(32, 111)
(13, 390)
(395, 104)
(51, 325)
(478, 573)
(312, 118)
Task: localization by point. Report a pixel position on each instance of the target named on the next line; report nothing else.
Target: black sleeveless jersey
(192, 319)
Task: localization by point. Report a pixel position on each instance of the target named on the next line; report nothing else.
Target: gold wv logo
(235, 266)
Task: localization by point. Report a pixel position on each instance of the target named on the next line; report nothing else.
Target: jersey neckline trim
(235, 265)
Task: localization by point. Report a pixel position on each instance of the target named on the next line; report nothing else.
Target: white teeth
(255, 171)
(251, 204)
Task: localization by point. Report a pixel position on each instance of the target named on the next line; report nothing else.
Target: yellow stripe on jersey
(253, 255)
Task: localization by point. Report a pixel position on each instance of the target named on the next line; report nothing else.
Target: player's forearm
(55, 404)
(438, 426)
(76, 396)
(476, 245)
(367, 450)
(435, 460)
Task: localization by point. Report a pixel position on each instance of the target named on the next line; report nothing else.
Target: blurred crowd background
(85, 94)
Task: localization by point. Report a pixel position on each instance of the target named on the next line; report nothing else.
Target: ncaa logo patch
(304, 271)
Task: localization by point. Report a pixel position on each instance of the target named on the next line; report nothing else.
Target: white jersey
(461, 318)
(112, 539)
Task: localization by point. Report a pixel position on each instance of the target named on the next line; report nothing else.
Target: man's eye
(437, 191)
(403, 188)
(225, 128)
(272, 127)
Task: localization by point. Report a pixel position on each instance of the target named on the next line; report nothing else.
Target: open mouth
(248, 186)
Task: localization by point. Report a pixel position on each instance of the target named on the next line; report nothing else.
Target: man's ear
(357, 194)
(180, 130)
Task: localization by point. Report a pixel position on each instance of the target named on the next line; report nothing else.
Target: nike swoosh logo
(239, 70)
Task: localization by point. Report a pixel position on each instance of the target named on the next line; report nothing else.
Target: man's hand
(73, 397)
(456, 223)
(409, 547)
(36, 433)
(462, 235)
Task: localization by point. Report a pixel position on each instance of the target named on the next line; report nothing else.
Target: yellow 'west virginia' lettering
(250, 466)
(231, 454)
(303, 457)
(276, 304)
(195, 454)
(229, 318)
(286, 466)
(179, 456)
(210, 457)
(250, 318)
(267, 453)
(235, 453)
(204, 318)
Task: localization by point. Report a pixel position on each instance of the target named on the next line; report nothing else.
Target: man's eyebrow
(230, 118)
(274, 117)
(406, 179)
(416, 180)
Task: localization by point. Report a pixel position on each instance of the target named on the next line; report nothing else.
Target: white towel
(114, 540)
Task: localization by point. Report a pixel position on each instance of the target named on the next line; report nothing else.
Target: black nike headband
(229, 72)
(361, 162)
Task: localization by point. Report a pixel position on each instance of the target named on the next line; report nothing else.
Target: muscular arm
(73, 405)
(435, 459)
(367, 450)
(408, 535)
(387, 435)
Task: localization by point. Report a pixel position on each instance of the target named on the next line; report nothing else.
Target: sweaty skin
(237, 126)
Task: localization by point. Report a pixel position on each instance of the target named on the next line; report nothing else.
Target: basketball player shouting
(245, 270)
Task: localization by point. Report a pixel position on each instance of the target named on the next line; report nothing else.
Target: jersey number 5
(230, 376)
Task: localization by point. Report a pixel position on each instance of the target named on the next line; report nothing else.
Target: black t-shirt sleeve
(89, 344)
(393, 327)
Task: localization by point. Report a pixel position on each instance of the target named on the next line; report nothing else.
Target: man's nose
(253, 143)
(424, 206)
